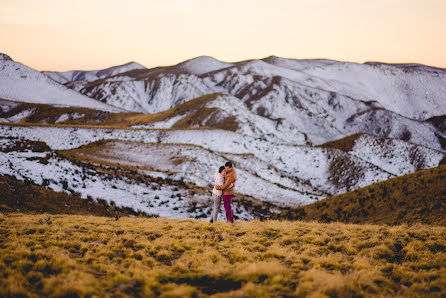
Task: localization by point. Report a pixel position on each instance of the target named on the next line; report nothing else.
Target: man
(229, 190)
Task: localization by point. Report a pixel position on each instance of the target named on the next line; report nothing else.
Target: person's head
(221, 169)
(228, 166)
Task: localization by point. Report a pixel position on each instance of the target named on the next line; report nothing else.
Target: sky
(65, 35)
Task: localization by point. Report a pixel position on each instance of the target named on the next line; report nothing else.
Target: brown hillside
(345, 144)
(196, 115)
(419, 197)
(48, 114)
(195, 112)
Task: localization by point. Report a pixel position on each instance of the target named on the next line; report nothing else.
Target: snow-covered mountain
(413, 91)
(21, 83)
(323, 99)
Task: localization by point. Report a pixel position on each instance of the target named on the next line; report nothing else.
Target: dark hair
(221, 169)
(228, 164)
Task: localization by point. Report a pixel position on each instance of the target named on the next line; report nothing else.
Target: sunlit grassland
(87, 256)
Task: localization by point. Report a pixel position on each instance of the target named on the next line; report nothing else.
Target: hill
(395, 156)
(72, 255)
(419, 197)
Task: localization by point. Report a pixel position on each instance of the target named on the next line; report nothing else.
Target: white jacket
(219, 180)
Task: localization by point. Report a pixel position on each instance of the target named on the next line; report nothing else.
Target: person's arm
(228, 182)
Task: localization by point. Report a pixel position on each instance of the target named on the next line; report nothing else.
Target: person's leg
(227, 203)
(213, 208)
(216, 207)
(231, 215)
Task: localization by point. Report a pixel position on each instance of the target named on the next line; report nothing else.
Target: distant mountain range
(301, 129)
(317, 100)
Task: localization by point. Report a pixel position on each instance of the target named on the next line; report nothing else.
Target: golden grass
(96, 256)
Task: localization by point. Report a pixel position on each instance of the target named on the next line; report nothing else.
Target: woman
(217, 194)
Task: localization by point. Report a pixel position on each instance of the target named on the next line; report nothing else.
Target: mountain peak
(201, 65)
(134, 64)
(5, 57)
(202, 59)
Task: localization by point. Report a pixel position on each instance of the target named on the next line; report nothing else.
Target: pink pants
(227, 199)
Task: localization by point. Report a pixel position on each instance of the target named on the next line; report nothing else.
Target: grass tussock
(419, 197)
(97, 256)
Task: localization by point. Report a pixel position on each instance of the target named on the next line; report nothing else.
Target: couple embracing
(224, 188)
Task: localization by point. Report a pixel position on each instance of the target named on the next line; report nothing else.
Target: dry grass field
(85, 256)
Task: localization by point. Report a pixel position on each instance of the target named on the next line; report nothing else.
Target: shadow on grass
(207, 284)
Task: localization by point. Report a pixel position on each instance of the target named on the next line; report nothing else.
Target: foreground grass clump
(73, 255)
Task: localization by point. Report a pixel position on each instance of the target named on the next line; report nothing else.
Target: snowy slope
(294, 174)
(196, 165)
(317, 166)
(414, 92)
(395, 156)
(222, 107)
(296, 64)
(146, 96)
(21, 83)
(301, 115)
(383, 123)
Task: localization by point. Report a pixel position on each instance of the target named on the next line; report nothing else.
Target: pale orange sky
(95, 34)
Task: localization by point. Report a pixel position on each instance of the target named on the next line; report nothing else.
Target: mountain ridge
(91, 75)
(315, 104)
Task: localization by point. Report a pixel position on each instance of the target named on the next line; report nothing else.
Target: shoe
(211, 221)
